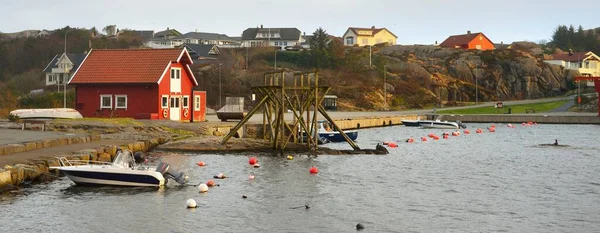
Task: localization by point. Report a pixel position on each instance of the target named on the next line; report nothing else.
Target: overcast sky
(413, 21)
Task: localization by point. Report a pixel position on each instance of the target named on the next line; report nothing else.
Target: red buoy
(424, 139)
(392, 144)
(467, 131)
(252, 160)
(210, 183)
(201, 164)
(313, 170)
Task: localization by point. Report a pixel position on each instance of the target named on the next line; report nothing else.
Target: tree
(319, 49)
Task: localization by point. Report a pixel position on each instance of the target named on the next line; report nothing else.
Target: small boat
(326, 133)
(123, 171)
(437, 124)
(47, 113)
(411, 123)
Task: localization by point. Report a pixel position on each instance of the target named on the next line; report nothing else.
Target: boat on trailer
(125, 170)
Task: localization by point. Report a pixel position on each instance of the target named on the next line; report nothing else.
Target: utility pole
(476, 86)
(220, 87)
(384, 87)
(275, 59)
(246, 57)
(66, 74)
(370, 63)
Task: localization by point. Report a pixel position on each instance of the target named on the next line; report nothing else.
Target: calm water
(492, 182)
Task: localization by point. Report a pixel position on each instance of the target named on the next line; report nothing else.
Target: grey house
(62, 67)
(282, 37)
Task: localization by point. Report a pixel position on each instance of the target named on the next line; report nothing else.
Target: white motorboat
(123, 171)
(47, 113)
(437, 124)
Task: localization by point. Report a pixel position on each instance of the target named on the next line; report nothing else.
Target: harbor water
(512, 180)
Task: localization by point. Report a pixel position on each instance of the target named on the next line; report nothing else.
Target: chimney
(372, 27)
(261, 26)
(167, 28)
(468, 32)
(501, 42)
(570, 52)
(436, 42)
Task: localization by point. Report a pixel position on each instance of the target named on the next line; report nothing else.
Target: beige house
(368, 36)
(587, 63)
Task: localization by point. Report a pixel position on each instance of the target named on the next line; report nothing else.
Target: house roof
(75, 58)
(201, 50)
(373, 31)
(205, 36)
(129, 65)
(284, 33)
(459, 40)
(167, 33)
(575, 56)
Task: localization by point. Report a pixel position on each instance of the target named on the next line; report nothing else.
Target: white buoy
(203, 188)
(251, 176)
(191, 203)
(256, 165)
(220, 176)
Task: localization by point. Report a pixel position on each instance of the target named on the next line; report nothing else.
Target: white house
(62, 66)
(587, 63)
(283, 37)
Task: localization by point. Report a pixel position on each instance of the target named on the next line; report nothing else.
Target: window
(276, 43)
(165, 101)
(175, 73)
(185, 103)
(285, 43)
(349, 40)
(478, 47)
(197, 103)
(174, 102)
(121, 101)
(106, 101)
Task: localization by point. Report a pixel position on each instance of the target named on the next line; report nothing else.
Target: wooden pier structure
(295, 92)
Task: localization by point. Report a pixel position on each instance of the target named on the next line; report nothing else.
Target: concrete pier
(519, 118)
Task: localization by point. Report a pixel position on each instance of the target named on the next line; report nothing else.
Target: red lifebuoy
(499, 105)
(185, 112)
(165, 113)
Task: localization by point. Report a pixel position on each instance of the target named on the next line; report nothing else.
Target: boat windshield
(124, 159)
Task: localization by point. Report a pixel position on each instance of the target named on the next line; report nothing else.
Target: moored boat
(437, 124)
(411, 123)
(123, 171)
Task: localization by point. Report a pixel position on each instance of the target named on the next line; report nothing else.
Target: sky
(414, 21)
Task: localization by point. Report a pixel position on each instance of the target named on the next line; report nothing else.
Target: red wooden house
(469, 41)
(138, 83)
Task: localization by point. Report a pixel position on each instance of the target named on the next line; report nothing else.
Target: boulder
(105, 157)
(5, 178)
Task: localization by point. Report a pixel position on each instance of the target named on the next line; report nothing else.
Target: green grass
(516, 109)
(115, 121)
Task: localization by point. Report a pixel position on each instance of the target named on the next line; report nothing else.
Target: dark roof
(201, 50)
(284, 33)
(372, 29)
(205, 36)
(574, 56)
(75, 58)
(460, 40)
(129, 65)
(167, 33)
(145, 34)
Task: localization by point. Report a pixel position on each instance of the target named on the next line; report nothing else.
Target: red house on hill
(138, 83)
(469, 41)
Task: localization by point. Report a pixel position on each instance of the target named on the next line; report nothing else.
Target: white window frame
(185, 101)
(101, 102)
(166, 103)
(176, 74)
(197, 103)
(117, 102)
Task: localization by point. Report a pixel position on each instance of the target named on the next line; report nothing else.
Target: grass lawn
(516, 109)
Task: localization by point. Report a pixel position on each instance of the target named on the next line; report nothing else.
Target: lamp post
(220, 86)
(275, 66)
(370, 63)
(246, 57)
(65, 74)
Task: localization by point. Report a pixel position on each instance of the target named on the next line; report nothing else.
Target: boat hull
(410, 123)
(337, 137)
(112, 177)
(47, 113)
(439, 125)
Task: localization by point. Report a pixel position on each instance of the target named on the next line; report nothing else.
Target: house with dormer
(61, 68)
(368, 36)
(138, 83)
(281, 37)
(586, 63)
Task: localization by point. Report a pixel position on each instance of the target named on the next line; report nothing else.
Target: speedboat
(437, 124)
(327, 134)
(125, 170)
(47, 113)
(411, 123)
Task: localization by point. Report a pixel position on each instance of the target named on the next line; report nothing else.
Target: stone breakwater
(47, 143)
(38, 170)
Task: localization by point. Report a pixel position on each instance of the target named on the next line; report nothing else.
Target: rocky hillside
(451, 74)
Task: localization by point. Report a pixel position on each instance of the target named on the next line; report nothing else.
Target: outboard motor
(461, 125)
(171, 173)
